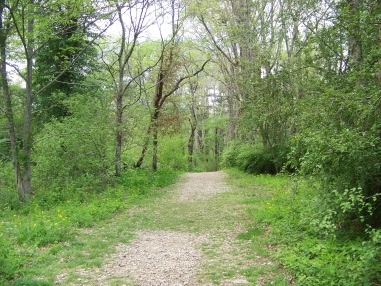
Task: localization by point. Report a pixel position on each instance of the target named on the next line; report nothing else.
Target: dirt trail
(168, 257)
(190, 239)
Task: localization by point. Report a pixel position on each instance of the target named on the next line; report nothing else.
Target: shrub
(254, 159)
(341, 160)
(171, 152)
(309, 241)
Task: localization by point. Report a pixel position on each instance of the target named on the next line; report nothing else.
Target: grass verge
(54, 232)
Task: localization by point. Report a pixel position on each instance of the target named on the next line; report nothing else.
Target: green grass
(76, 232)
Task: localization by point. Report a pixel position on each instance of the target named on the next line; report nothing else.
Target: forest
(100, 95)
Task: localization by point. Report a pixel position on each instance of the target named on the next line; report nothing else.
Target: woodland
(96, 95)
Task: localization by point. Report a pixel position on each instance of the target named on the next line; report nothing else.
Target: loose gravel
(166, 257)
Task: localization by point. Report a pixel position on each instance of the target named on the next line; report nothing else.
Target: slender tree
(134, 18)
(26, 20)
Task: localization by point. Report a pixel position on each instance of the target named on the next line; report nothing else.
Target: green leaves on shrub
(254, 159)
(308, 233)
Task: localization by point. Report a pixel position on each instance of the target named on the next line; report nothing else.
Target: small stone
(240, 281)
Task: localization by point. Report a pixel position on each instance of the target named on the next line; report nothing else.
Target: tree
(125, 75)
(21, 20)
(168, 81)
(26, 21)
(64, 57)
(167, 84)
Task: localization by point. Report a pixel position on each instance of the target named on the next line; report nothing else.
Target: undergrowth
(303, 234)
(54, 216)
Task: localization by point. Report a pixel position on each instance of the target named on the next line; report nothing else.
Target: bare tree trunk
(23, 170)
(154, 124)
(157, 104)
(191, 142)
(8, 101)
(129, 38)
(119, 97)
(355, 44)
(119, 136)
(144, 149)
(155, 133)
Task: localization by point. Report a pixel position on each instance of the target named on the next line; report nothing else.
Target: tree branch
(215, 42)
(177, 85)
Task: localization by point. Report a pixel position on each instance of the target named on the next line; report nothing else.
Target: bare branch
(177, 85)
(215, 42)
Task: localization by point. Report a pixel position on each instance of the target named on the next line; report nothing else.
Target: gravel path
(158, 258)
(202, 186)
(168, 257)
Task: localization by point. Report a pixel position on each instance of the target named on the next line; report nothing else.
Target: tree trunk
(216, 145)
(355, 44)
(8, 102)
(191, 143)
(119, 98)
(155, 133)
(119, 136)
(154, 124)
(155, 116)
(144, 149)
(24, 182)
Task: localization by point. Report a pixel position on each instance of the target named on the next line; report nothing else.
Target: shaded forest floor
(193, 233)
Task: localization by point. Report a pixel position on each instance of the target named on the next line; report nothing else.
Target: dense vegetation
(287, 220)
(91, 91)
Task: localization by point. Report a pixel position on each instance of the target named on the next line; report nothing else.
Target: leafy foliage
(305, 236)
(76, 152)
(9, 258)
(253, 159)
(64, 59)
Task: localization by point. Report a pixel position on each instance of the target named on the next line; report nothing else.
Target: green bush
(332, 262)
(341, 160)
(310, 241)
(171, 152)
(254, 159)
(77, 151)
